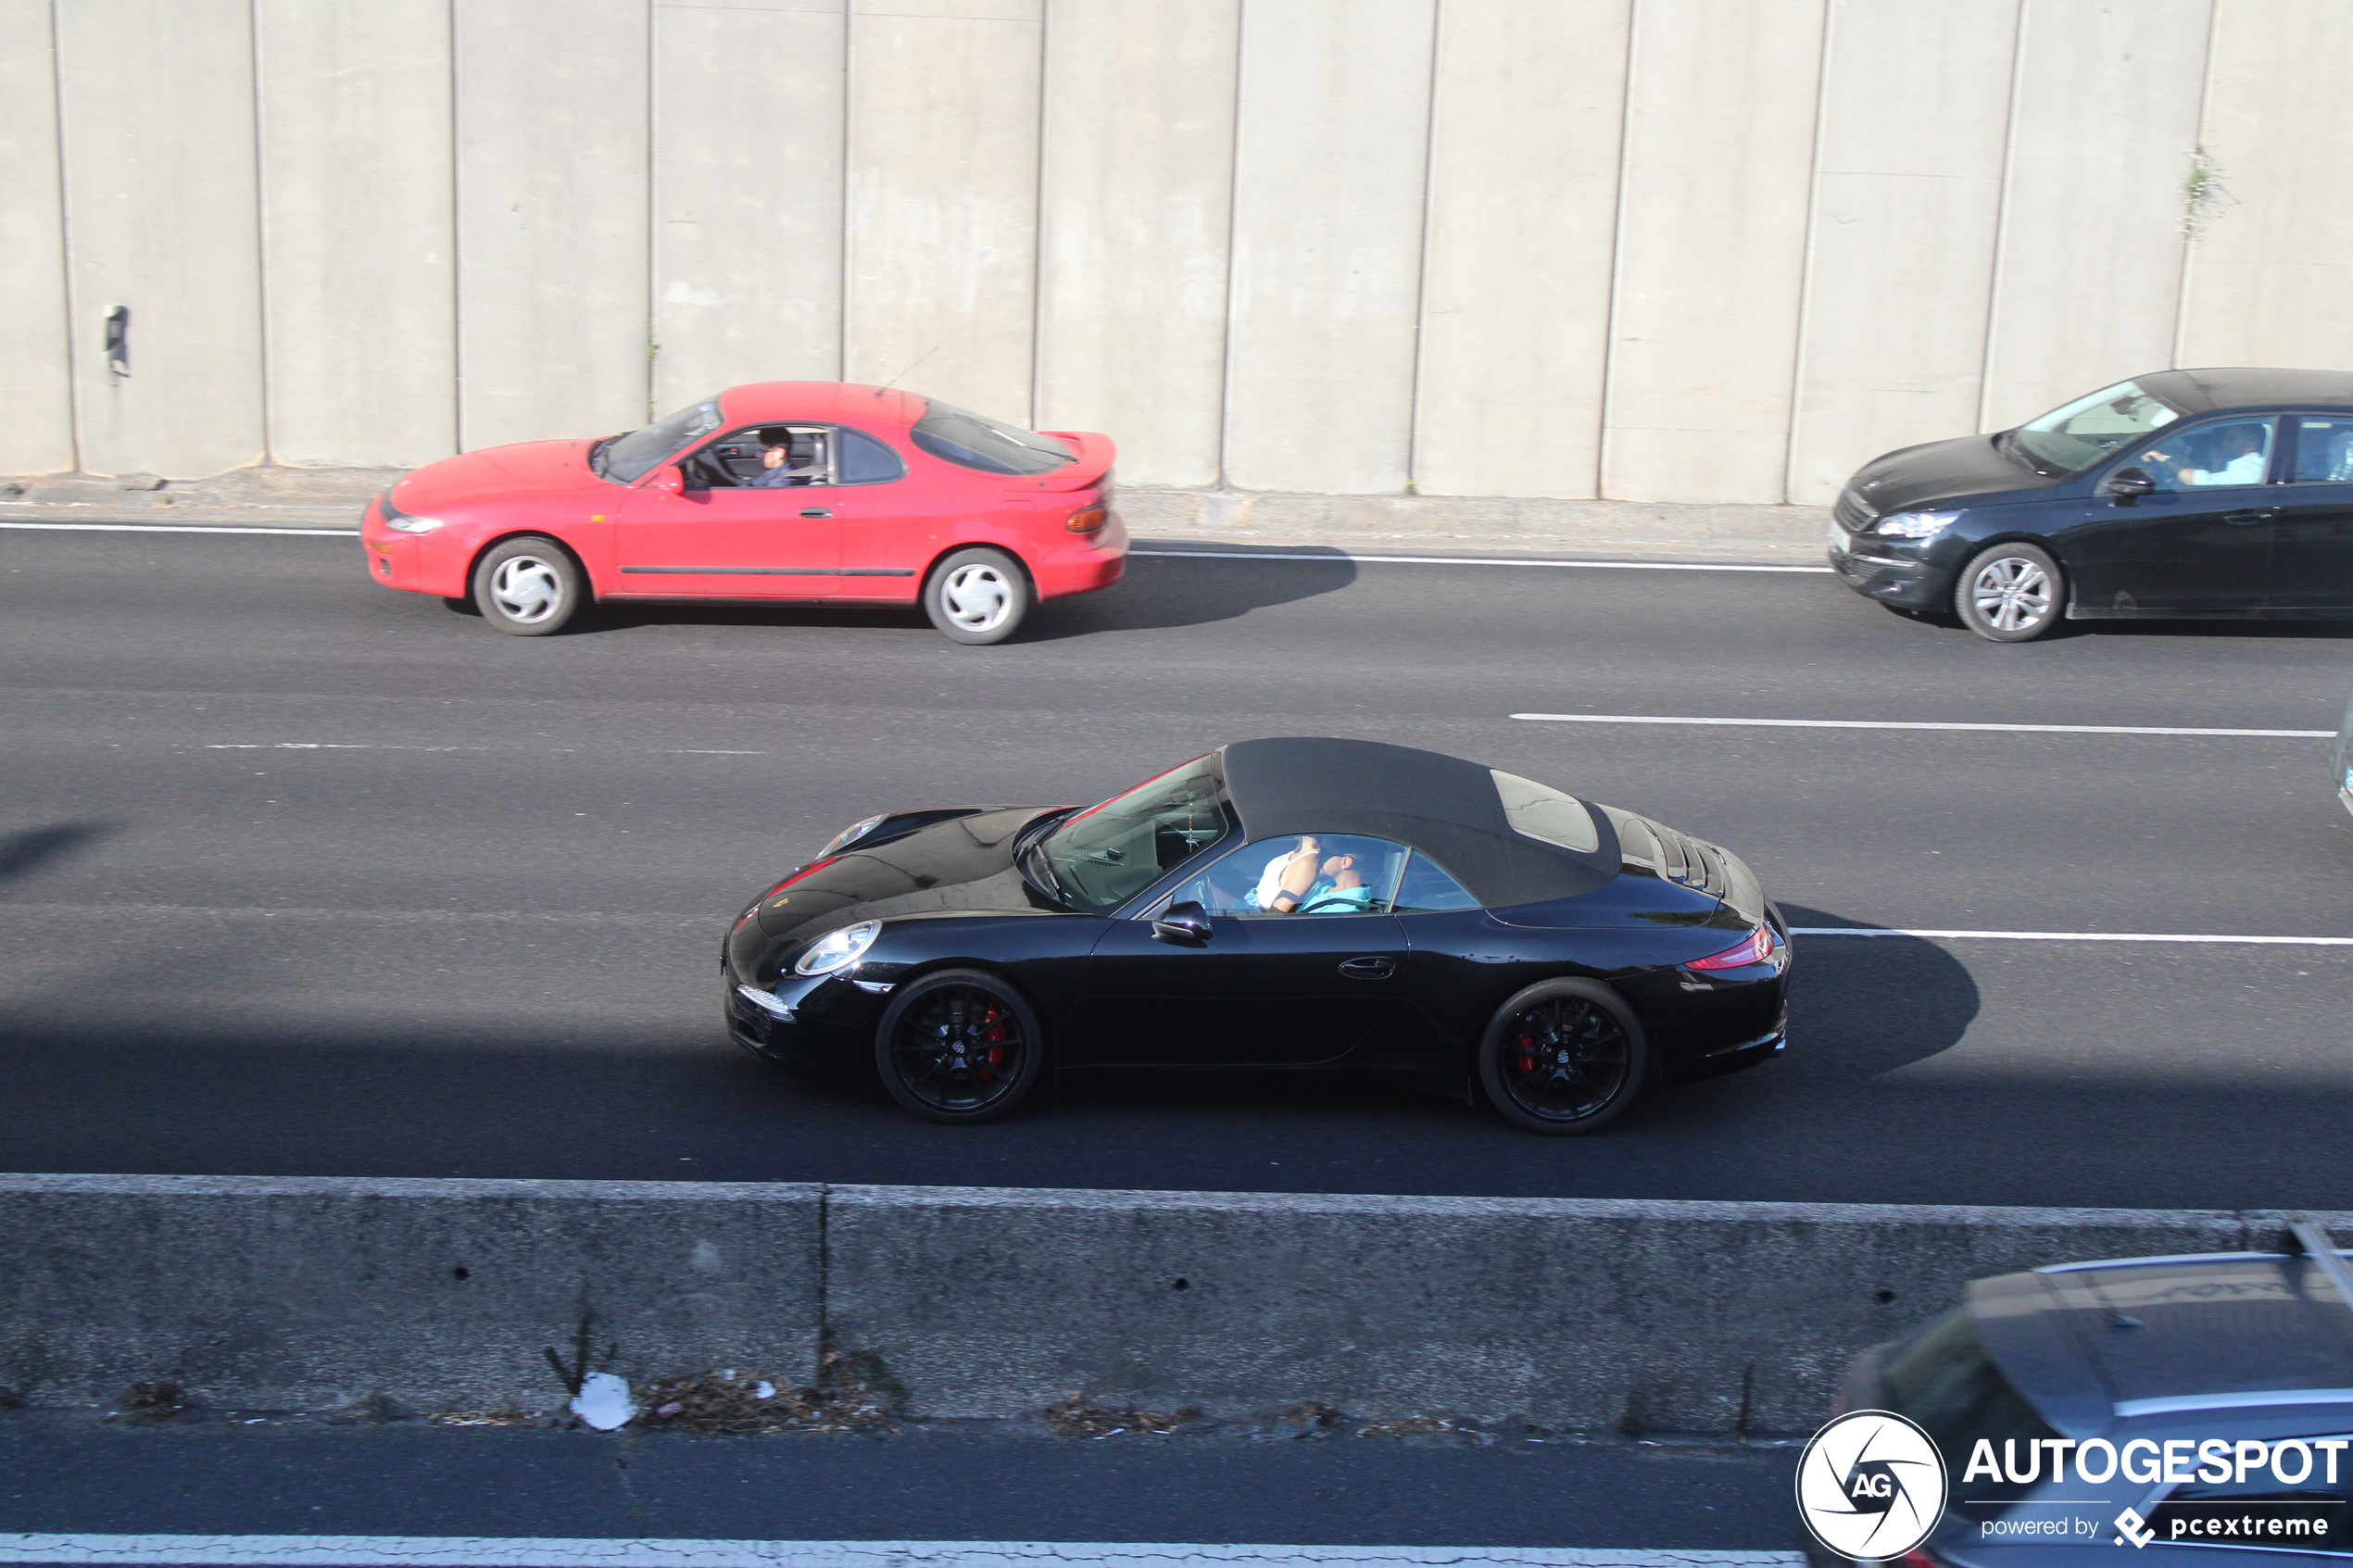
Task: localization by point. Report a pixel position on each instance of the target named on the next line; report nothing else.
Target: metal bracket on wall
(118, 340)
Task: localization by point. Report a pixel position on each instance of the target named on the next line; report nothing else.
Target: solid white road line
(2071, 937)
(1469, 560)
(1922, 724)
(179, 528)
(455, 1551)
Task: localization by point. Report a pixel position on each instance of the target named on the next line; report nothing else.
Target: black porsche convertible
(1294, 904)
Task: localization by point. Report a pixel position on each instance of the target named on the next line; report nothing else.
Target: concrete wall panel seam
(1798, 357)
(2002, 219)
(1421, 275)
(1616, 252)
(2181, 298)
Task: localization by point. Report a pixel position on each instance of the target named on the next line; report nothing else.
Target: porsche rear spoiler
(1094, 460)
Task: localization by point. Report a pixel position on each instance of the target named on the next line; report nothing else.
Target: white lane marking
(456, 1551)
(179, 528)
(371, 745)
(2070, 935)
(1919, 724)
(651, 920)
(1463, 560)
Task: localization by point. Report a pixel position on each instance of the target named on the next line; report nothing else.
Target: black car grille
(1853, 512)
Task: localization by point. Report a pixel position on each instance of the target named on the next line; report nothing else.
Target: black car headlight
(852, 833)
(838, 950)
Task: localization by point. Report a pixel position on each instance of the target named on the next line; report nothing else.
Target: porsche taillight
(1085, 519)
(1754, 947)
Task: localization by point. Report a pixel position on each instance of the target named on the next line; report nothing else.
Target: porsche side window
(1108, 853)
(1311, 873)
(1546, 814)
(1427, 889)
(862, 459)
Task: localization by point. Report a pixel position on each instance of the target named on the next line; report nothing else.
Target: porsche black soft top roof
(1442, 806)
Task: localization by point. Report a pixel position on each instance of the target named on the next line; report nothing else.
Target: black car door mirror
(1186, 924)
(2125, 484)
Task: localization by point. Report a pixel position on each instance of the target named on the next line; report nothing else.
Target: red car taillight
(1755, 948)
(1085, 519)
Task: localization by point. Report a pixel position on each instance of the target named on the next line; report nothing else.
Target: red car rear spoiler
(1095, 454)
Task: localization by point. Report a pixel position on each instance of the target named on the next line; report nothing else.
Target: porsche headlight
(838, 950)
(851, 834)
(1914, 525)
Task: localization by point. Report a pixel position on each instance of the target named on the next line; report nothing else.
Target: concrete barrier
(265, 1293)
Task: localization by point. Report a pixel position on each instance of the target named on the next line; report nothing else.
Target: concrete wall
(1661, 251)
(1697, 1317)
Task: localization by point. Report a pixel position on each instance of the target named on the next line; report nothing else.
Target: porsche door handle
(817, 511)
(2251, 514)
(1368, 969)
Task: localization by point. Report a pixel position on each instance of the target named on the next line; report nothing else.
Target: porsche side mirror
(668, 480)
(2125, 484)
(1186, 924)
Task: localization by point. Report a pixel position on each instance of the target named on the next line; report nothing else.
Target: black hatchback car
(1292, 904)
(2173, 1406)
(2182, 494)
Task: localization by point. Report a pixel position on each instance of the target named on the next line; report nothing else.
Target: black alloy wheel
(958, 1046)
(1564, 1056)
(2010, 594)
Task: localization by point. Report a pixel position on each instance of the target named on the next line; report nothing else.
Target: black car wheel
(1564, 1056)
(2010, 594)
(528, 587)
(958, 1046)
(978, 595)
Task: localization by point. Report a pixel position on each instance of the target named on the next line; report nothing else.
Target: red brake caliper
(1526, 1044)
(994, 1026)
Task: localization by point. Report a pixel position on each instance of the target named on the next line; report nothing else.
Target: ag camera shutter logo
(1870, 1486)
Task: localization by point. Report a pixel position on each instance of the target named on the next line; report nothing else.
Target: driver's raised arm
(1298, 877)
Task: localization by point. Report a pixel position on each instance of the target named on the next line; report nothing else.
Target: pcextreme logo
(1870, 1485)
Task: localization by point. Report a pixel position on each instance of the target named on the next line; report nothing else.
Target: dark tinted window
(1942, 1378)
(974, 441)
(1427, 889)
(861, 459)
(2220, 453)
(2323, 452)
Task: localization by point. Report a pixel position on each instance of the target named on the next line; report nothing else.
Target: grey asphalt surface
(68, 1474)
(301, 876)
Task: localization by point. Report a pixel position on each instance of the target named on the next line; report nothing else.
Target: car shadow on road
(1868, 1005)
(27, 850)
(1159, 592)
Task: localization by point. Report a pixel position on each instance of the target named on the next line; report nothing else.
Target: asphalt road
(301, 876)
(66, 1473)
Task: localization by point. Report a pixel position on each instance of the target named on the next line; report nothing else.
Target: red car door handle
(1368, 969)
(817, 511)
(2252, 514)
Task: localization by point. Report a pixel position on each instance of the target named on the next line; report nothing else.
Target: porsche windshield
(2068, 441)
(1104, 856)
(626, 458)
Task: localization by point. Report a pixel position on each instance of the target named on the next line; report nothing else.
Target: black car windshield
(1942, 1379)
(974, 441)
(1105, 855)
(627, 457)
(2068, 441)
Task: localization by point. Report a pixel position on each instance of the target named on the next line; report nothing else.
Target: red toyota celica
(801, 490)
